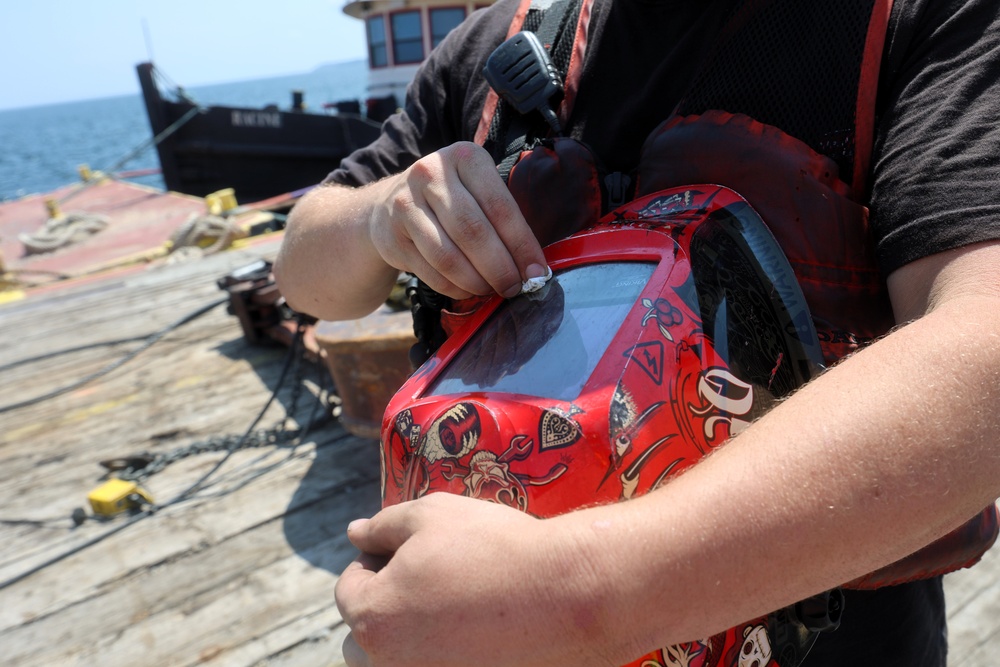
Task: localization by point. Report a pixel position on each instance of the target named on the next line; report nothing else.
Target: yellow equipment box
(116, 496)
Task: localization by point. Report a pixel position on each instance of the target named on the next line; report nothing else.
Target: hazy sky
(65, 50)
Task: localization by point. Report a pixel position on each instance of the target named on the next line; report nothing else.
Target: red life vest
(784, 151)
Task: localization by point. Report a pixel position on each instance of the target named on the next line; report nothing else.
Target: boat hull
(260, 153)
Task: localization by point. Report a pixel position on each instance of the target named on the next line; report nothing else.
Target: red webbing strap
(864, 116)
(575, 69)
(492, 99)
(573, 73)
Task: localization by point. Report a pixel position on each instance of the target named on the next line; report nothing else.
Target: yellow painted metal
(116, 496)
(221, 201)
(52, 206)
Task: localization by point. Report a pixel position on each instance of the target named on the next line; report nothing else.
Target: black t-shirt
(936, 158)
(935, 171)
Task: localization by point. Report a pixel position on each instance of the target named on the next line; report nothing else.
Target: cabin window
(443, 21)
(378, 53)
(407, 38)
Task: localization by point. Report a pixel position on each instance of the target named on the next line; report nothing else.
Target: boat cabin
(400, 34)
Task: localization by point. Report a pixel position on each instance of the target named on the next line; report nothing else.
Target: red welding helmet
(668, 327)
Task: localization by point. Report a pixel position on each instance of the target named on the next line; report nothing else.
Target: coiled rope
(63, 230)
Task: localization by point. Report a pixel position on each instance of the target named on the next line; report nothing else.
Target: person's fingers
(418, 266)
(512, 230)
(378, 539)
(354, 655)
(373, 562)
(349, 591)
(439, 214)
(478, 212)
(453, 222)
(439, 254)
(410, 236)
(461, 210)
(384, 533)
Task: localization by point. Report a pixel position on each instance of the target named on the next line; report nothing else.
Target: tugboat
(267, 152)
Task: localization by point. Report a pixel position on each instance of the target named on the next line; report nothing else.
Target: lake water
(41, 147)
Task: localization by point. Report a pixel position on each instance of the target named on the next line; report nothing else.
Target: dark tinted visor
(548, 343)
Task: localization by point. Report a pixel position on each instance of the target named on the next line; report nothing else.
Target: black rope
(152, 509)
(119, 362)
(152, 141)
(292, 352)
(71, 350)
(312, 423)
(155, 141)
(135, 518)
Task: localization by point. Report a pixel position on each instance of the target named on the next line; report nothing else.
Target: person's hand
(448, 580)
(450, 220)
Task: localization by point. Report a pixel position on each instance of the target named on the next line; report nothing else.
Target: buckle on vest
(616, 185)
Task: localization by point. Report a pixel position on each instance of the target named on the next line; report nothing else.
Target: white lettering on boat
(242, 118)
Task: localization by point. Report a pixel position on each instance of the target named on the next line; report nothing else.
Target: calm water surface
(41, 147)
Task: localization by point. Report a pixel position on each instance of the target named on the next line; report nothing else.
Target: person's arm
(448, 219)
(882, 454)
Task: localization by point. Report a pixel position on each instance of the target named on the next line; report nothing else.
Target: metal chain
(145, 464)
(300, 376)
(150, 463)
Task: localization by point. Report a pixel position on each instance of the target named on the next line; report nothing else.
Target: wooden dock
(242, 571)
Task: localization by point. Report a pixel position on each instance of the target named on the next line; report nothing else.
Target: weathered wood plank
(313, 641)
(241, 573)
(279, 572)
(973, 597)
(175, 531)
